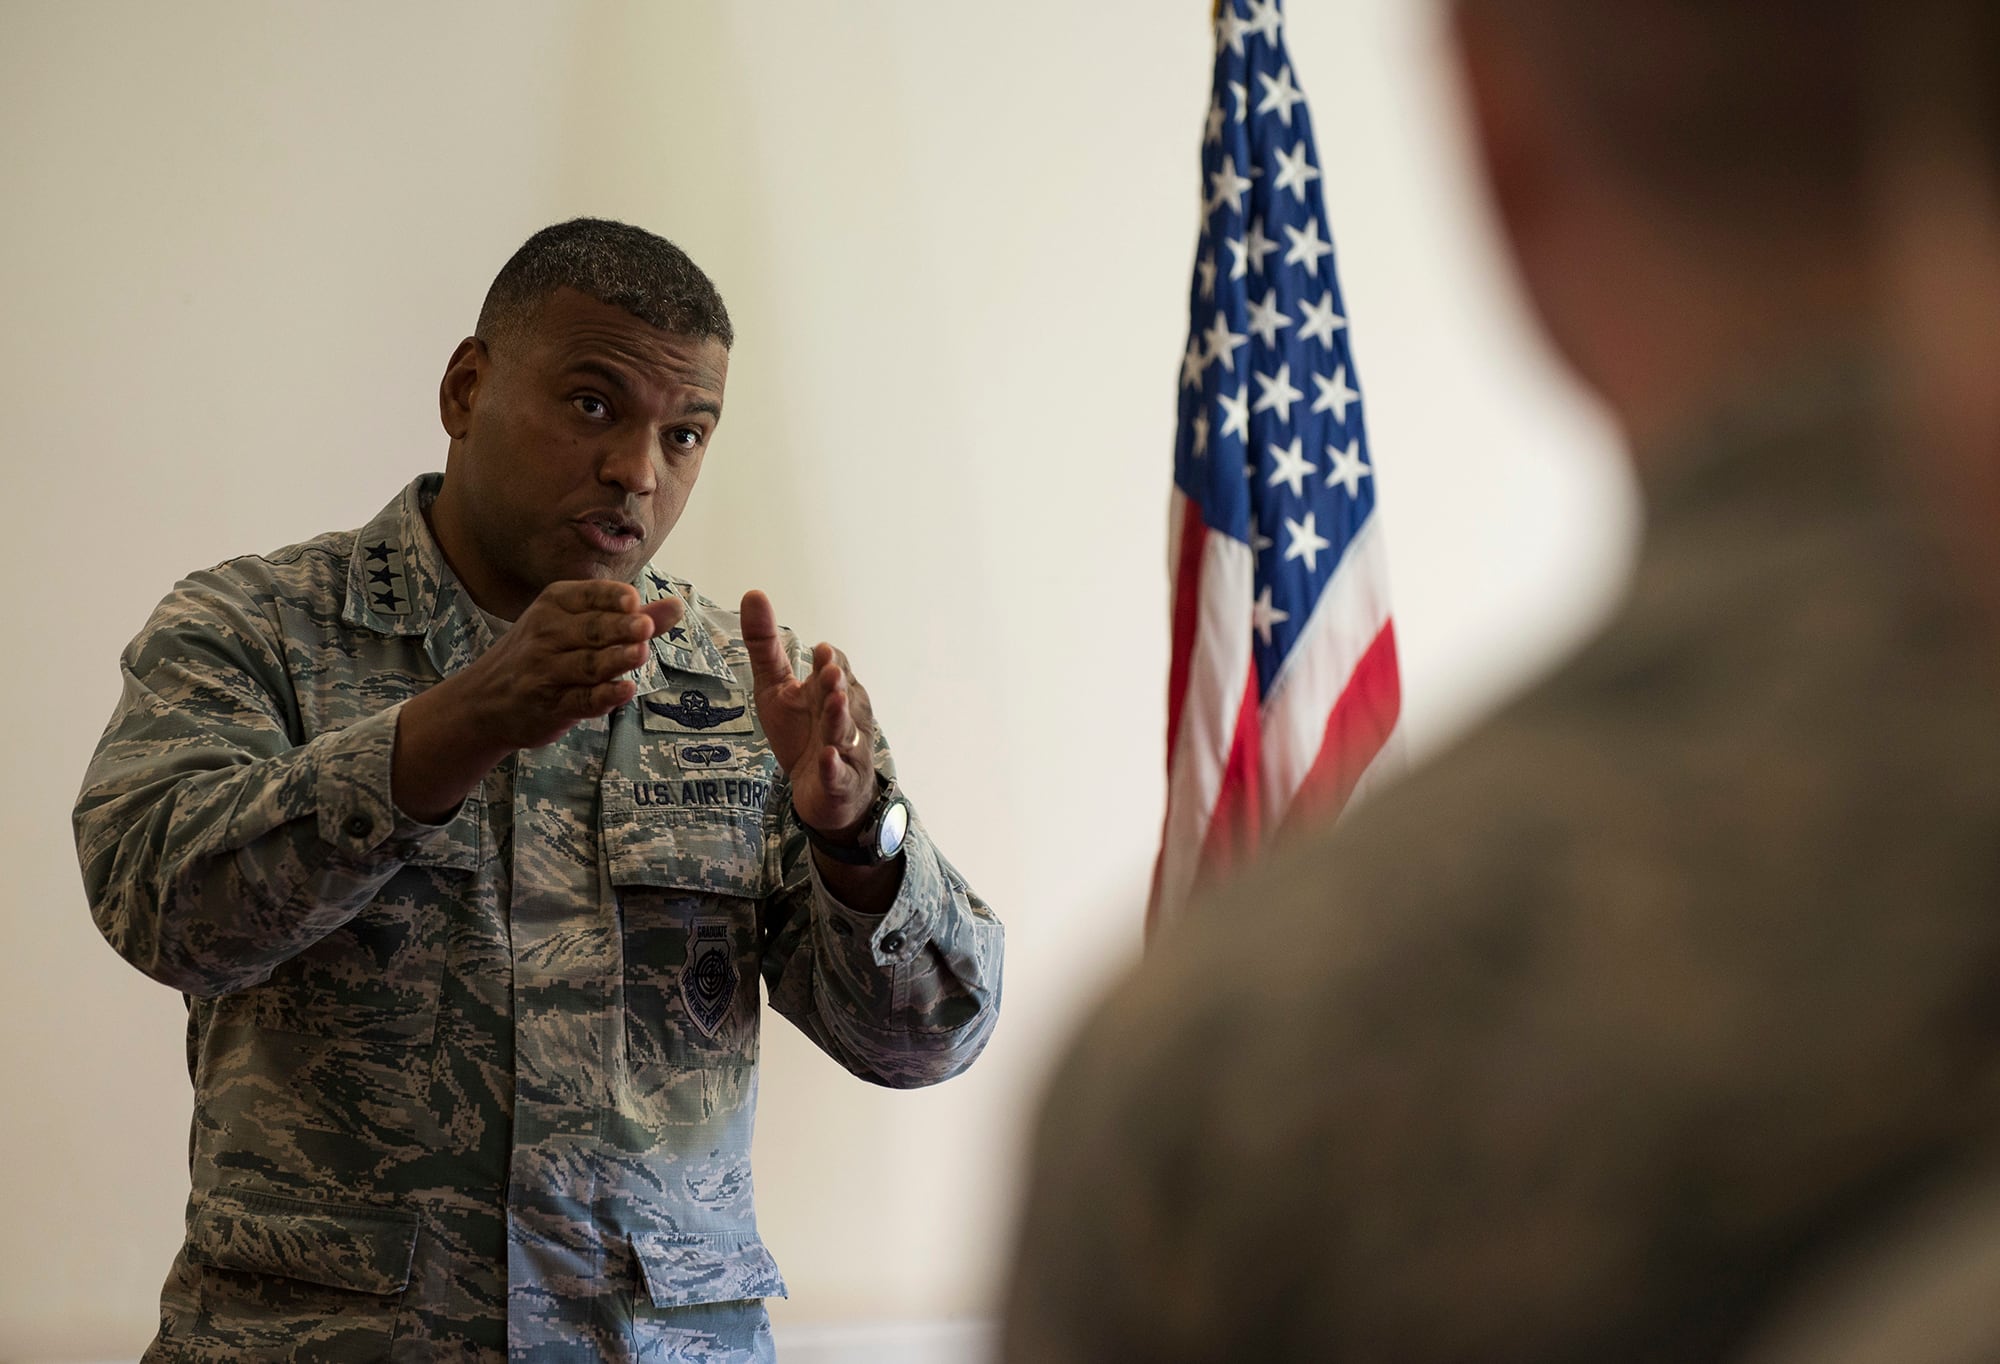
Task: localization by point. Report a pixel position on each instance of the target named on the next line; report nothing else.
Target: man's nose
(631, 465)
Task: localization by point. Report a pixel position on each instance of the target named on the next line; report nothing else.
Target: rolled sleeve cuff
(352, 793)
(897, 934)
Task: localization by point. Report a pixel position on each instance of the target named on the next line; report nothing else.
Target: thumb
(768, 665)
(665, 614)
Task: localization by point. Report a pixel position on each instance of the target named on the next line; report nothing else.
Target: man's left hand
(820, 727)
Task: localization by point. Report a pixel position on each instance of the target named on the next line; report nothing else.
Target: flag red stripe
(1356, 730)
(1236, 828)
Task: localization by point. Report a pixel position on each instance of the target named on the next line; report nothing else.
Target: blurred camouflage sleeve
(905, 997)
(215, 841)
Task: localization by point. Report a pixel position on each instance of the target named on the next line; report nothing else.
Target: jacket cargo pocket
(689, 883)
(292, 1278)
(682, 1269)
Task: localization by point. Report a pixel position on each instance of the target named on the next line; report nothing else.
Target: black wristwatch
(881, 834)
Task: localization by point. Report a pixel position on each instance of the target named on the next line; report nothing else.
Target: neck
(447, 525)
(1731, 360)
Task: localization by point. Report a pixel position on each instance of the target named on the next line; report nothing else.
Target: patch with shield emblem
(708, 980)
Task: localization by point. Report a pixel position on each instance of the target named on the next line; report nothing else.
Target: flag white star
(1259, 542)
(1264, 20)
(1267, 319)
(1216, 114)
(1263, 615)
(1231, 29)
(1279, 95)
(1296, 171)
(1193, 363)
(1278, 395)
(1307, 246)
(1239, 257)
(1320, 320)
(1348, 468)
(1227, 184)
(1224, 343)
(1242, 94)
(1307, 542)
(1258, 245)
(1235, 415)
(1292, 467)
(1334, 395)
(1200, 425)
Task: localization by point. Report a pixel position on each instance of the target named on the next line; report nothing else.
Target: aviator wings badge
(694, 713)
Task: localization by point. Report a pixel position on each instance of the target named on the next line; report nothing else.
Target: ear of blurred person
(1938, 206)
(1654, 1021)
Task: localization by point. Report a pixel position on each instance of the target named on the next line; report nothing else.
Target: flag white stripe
(1218, 672)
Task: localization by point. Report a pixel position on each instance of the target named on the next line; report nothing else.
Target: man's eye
(591, 406)
(684, 438)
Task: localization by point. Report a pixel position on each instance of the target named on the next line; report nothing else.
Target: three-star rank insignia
(708, 980)
(382, 571)
(676, 633)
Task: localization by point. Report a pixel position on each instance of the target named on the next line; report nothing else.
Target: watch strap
(867, 851)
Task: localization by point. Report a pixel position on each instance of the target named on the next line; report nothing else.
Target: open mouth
(609, 532)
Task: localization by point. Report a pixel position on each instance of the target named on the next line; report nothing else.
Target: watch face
(895, 824)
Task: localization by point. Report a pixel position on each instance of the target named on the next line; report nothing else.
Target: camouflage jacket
(485, 1086)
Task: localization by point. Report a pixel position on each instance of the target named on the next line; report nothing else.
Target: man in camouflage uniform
(1606, 1036)
(469, 835)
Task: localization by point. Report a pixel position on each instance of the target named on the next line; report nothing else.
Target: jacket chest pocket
(375, 979)
(691, 865)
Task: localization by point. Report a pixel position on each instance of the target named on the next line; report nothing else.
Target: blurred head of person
(1683, 184)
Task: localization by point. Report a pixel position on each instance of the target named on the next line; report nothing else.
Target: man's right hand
(563, 661)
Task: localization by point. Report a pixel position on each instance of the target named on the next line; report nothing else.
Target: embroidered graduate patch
(708, 981)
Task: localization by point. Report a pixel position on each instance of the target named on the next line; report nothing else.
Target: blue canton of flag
(1272, 444)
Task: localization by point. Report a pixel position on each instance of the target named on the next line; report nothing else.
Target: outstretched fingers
(768, 665)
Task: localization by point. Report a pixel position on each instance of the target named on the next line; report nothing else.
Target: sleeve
(214, 844)
(906, 997)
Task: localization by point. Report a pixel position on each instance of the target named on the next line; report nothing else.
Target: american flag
(1283, 692)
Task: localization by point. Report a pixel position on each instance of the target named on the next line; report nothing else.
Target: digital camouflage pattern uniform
(1610, 1030)
(483, 1089)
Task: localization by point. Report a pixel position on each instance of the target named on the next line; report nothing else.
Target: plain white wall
(239, 240)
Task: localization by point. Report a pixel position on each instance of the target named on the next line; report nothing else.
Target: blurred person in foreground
(470, 835)
(1616, 1031)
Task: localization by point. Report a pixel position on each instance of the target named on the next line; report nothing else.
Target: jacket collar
(398, 583)
(693, 646)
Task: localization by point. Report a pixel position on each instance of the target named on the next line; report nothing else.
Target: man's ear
(460, 386)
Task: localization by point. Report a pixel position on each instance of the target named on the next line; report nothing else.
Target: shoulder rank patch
(694, 712)
(708, 980)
